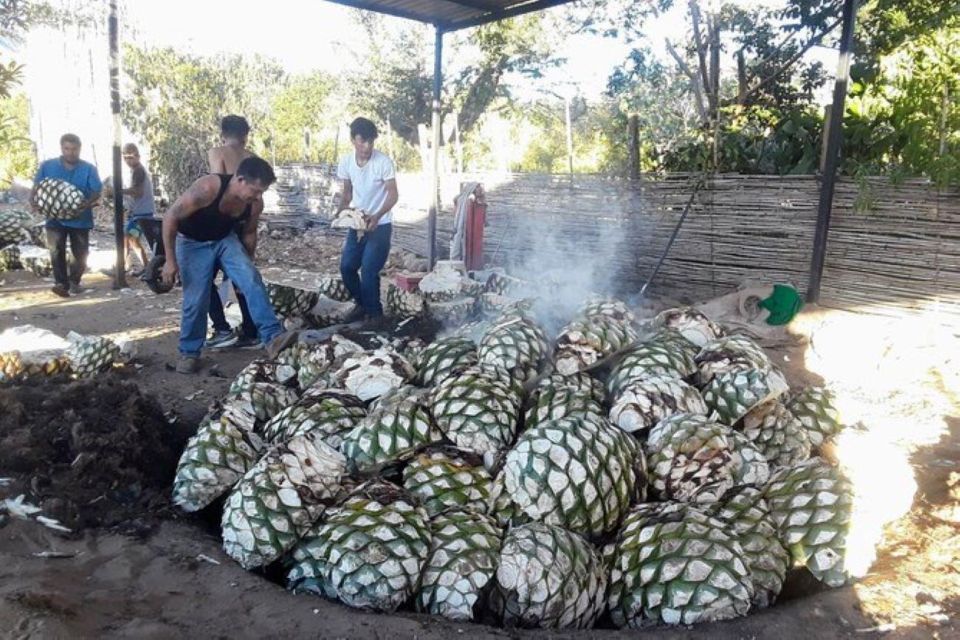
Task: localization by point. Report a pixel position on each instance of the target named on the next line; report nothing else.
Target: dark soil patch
(91, 453)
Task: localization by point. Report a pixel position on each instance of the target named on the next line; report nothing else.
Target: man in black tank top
(199, 239)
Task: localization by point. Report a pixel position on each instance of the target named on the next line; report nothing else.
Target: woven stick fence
(900, 252)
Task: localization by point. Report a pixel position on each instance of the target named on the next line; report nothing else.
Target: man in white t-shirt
(369, 184)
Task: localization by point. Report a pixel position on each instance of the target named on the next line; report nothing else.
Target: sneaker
(221, 340)
(60, 290)
(247, 342)
(188, 364)
(76, 289)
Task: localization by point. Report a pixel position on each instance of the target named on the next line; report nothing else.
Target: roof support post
(113, 30)
(435, 150)
(832, 155)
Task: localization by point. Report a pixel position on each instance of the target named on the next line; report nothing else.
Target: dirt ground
(174, 581)
(90, 453)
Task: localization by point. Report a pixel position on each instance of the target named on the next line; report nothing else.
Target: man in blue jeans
(199, 239)
(83, 175)
(369, 184)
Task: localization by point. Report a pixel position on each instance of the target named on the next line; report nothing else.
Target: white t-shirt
(369, 182)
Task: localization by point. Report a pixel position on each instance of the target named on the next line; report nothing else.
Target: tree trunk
(702, 54)
(741, 78)
(714, 31)
(694, 82)
(944, 119)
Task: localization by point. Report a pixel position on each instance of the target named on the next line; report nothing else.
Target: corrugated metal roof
(450, 15)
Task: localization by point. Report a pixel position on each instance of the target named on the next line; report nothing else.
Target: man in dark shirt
(199, 238)
(224, 160)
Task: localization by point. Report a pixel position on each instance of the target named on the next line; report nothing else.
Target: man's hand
(169, 273)
(372, 222)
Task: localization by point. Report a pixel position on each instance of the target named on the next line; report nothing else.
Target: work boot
(356, 314)
(379, 323)
(280, 342)
(188, 364)
(247, 342)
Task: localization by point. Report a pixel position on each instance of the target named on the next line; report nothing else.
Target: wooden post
(113, 27)
(944, 119)
(634, 134)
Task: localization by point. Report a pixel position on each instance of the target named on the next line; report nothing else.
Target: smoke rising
(566, 264)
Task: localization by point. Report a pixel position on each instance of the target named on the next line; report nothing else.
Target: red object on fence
(408, 281)
(476, 221)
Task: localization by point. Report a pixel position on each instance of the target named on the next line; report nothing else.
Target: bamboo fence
(898, 252)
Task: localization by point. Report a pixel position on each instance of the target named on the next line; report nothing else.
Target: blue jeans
(367, 255)
(198, 262)
(219, 319)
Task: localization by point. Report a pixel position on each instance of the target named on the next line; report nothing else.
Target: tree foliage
(736, 92)
(303, 118)
(175, 102)
(395, 79)
(17, 156)
(906, 120)
(763, 117)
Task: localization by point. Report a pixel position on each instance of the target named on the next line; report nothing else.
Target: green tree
(393, 81)
(175, 102)
(905, 119)
(17, 156)
(304, 106)
(759, 119)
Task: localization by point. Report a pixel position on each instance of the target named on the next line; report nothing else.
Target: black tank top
(209, 223)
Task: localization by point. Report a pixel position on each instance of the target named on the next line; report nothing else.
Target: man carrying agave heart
(83, 175)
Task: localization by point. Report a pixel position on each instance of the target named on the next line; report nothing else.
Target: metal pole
(119, 278)
(566, 107)
(834, 134)
(673, 236)
(435, 169)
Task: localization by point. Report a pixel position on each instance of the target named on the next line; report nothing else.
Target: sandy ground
(175, 582)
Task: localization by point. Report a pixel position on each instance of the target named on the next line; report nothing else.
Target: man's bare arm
(136, 186)
(201, 193)
(346, 195)
(89, 202)
(215, 161)
(392, 196)
(249, 237)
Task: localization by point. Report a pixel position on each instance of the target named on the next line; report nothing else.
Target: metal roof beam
(491, 11)
(376, 7)
(478, 5)
(513, 12)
